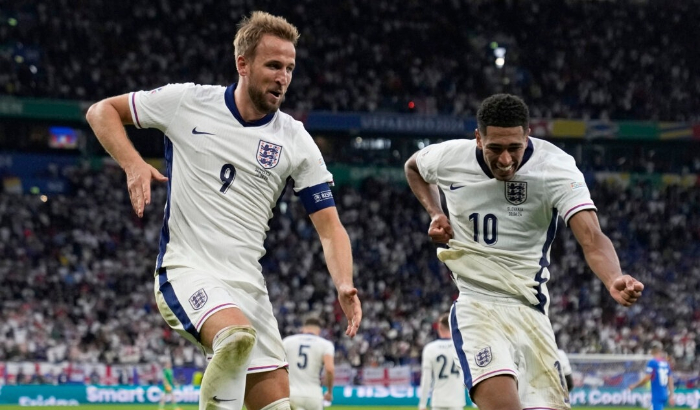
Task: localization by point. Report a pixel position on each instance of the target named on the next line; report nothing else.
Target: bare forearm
(336, 248)
(427, 194)
(602, 259)
(109, 130)
(330, 376)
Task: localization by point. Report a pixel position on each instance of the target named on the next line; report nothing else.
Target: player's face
(503, 148)
(270, 73)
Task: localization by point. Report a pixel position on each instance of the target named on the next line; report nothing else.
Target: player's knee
(234, 344)
(281, 404)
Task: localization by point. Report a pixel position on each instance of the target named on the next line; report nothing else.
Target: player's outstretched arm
(602, 258)
(107, 119)
(440, 230)
(641, 382)
(336, 249)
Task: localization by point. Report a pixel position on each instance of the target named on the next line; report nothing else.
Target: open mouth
(504, 169)
(277, 94)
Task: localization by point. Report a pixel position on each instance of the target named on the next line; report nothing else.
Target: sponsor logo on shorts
(483, 357)
(198, 299)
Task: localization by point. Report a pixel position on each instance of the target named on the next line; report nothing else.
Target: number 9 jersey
(225, 176)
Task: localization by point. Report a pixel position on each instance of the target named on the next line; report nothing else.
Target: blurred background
(614, 83)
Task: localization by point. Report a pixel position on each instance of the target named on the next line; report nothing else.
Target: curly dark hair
(503, 110)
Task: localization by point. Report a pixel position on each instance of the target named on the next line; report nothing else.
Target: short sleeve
(567, 187)
(328, 348)
(428, 160)
(650, 367)
(311, 168)
(156, 108)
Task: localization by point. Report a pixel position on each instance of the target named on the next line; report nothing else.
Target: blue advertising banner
(44, 395)
(389, 123)
(71, 395)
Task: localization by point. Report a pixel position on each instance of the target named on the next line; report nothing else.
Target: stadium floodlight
(500, 54)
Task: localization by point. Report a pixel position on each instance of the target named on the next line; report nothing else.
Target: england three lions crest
(268, 154)
(198, 299)
(483, 357)
(516, 192)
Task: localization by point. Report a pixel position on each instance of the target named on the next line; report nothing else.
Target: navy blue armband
(316, 197)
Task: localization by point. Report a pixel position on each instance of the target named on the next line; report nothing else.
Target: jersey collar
(231, 104)
(526, 157)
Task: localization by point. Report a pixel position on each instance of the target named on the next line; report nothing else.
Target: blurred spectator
(76, 276)
(572, 59)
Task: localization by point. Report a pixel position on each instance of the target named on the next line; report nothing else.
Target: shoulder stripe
(576, 207)
(133, 106)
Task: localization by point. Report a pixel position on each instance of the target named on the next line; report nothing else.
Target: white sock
(281, 404)
(223, 384)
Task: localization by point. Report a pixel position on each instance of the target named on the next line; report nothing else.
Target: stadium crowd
(76, 275)
(575, 59)
(76, 272)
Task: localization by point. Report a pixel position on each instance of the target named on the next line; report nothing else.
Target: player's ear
(242, 66)
(477, 135)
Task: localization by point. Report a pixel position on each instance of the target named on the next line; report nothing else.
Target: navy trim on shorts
(459, 345)
(166, 288)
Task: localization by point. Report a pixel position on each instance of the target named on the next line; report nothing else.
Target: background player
(229, 153)
(308, 354)
(505, 192)
(566, 370)
(658, 371)
(168, 386)
(441, 377)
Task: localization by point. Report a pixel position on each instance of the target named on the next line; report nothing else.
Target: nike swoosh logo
(195, 132)
(453, 187)
(217, 399)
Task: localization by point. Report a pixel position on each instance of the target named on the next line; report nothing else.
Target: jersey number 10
(490, 228)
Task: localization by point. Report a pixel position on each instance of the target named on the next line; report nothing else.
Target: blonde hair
(252, 29)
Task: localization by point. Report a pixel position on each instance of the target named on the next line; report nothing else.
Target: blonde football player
(229, 152)
(308, 354)
(505, 192)
(441, 377)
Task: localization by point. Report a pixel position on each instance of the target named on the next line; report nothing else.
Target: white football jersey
(441, 374)
(516, 219)
(224, 176)
(305, 356)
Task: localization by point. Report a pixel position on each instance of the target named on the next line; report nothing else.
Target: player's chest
(517, 200)
(256, 155)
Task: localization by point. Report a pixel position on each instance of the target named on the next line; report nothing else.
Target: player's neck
(245, 106)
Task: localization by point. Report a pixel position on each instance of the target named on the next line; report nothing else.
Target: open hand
(350, 303)
(138, 181)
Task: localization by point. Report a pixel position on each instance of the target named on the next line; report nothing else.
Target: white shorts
(306, 403)
(493, 338)
(187, 297)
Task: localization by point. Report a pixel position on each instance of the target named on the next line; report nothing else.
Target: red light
(411, 105)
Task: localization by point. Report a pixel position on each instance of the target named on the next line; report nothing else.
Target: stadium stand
(79, 288)
(574, 59)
